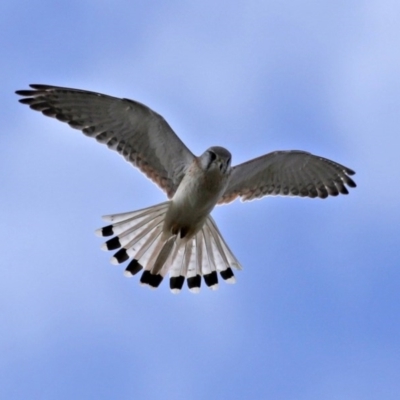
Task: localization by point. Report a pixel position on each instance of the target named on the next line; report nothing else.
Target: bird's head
(216, 158)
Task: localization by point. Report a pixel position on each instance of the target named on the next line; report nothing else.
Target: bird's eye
(213, 156)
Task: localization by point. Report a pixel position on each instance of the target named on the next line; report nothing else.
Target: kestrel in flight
(179, 236)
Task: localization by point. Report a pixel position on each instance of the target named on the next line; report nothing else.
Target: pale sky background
(315, 313)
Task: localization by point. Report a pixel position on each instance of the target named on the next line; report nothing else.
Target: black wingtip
(350, 183)
(25, 92)
(27, 100)
(37, 88)
(350, 171)
(40, 86)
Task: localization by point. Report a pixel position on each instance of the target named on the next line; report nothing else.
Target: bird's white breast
(196, 196)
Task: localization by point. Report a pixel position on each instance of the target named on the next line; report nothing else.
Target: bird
(179, 237)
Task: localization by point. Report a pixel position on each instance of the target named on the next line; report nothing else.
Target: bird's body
(179, 236)
(198, 193)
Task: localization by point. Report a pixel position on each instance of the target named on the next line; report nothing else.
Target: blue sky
(315, 313)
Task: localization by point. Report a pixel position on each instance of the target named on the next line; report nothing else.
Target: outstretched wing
(135, 131)
(287, 173)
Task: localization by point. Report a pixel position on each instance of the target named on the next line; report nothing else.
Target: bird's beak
(220, 163)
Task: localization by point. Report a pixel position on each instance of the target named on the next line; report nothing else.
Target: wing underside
(139, 134)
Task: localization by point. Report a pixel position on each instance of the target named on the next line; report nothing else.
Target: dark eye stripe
(213, 156)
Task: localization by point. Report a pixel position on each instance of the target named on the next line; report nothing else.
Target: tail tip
(104, 247)
(133, 268)
(176, 283)
(211, 280)
(114, 261)
(99, 232)
(150, 279)
(231, 280)
(228, 276)
(119, 257)
(111, 244)
(194, 283)
(105, 231)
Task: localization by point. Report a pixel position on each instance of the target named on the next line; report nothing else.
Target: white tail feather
(138, 213)
(225, 250)
(141, 238)
(163, 255)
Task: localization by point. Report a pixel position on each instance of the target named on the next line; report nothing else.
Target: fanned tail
(140, 238)
(205, 255)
